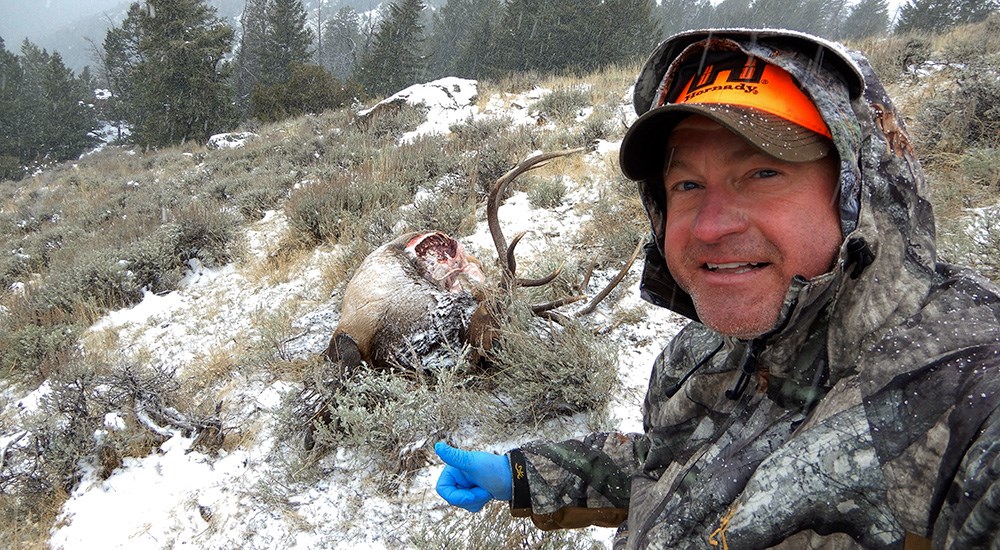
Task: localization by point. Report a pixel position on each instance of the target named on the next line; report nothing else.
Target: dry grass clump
(955, 124)
(565, 104)
(617, 223)
(494, 527)
(893, 56)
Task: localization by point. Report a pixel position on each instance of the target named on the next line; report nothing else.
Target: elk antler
(505, 253)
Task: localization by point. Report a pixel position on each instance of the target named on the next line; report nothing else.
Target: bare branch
(6, 448)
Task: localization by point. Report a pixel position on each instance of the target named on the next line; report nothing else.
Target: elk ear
(481, 331)
(343, 350)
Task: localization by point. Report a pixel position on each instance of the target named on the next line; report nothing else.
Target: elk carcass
(409, 300)
(415, 300)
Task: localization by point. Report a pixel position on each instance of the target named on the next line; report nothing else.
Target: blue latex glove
(471, 478)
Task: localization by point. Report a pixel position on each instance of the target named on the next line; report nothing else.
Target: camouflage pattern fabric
(872, 410)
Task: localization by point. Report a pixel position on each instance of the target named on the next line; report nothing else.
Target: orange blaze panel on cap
(755, 84)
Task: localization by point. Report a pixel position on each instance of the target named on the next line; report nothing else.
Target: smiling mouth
(735, 267)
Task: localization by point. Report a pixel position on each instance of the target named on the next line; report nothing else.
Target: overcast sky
(32, 18)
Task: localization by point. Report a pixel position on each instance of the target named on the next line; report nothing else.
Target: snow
(179, 497)
(232, 140)
(448, 101)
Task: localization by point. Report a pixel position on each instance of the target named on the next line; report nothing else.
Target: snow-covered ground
(178, 497)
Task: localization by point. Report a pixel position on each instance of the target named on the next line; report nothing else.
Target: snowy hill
(252, 493)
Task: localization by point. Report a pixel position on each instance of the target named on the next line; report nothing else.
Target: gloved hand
(471, 478)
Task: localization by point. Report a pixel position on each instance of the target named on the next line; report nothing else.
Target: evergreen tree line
(176, 71)
(46, 112)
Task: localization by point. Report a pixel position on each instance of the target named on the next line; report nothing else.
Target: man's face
(741, 224)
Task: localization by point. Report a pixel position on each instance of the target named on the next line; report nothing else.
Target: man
(837, 387)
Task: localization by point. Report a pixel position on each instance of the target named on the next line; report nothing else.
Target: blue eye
(766, 173)
(685, 186)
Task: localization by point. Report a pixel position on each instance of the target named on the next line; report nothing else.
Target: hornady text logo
(741, 75)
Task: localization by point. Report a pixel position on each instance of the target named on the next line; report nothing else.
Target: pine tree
(866, 18)
(342, 43)
(834, 17)
(517, 36)
(10, 95)
(310, 89)
(549, 35)
(120, 58)
(682, 15)
(174, 82)
(973, 11)
(632, 29)
(731, 13)
(769, 13)
(476, 54)
(46, 111)
(938, 15)
(395, 59)
(287, 40)
(459, 38)
(249, 66)
(69, 116)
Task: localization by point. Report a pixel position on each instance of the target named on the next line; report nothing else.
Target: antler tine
(511, 262)
(541, 281)
(589, 308)
(500, 187)
(548, 306)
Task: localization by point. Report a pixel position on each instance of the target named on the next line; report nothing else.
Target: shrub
(596, 127)
(981, 165)
(892, 56)
(495, 157)
(324, 211)
(617, 222)
(543, 370)
(69, 434)
(310, 89)
(564, 104)
(33, 350)
(965, 116)
(494, 527)
(389, 421)
(449, 206)
(546, 192)
(390, 121)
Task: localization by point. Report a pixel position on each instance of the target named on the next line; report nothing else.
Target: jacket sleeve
(576, 483)
(971, 514)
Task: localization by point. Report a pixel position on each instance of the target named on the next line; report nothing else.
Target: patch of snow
(232, 140)
(448, 101)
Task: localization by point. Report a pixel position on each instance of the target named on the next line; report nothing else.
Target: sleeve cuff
(521, 494)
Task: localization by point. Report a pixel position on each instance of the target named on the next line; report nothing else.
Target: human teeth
(714, 267)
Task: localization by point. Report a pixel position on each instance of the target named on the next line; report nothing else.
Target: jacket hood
(886, 218)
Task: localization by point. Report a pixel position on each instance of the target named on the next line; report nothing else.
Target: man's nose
(720, 215)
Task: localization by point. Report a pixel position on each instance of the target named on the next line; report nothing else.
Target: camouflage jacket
(870, 414)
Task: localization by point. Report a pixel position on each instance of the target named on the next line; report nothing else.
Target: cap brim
(644, 145)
